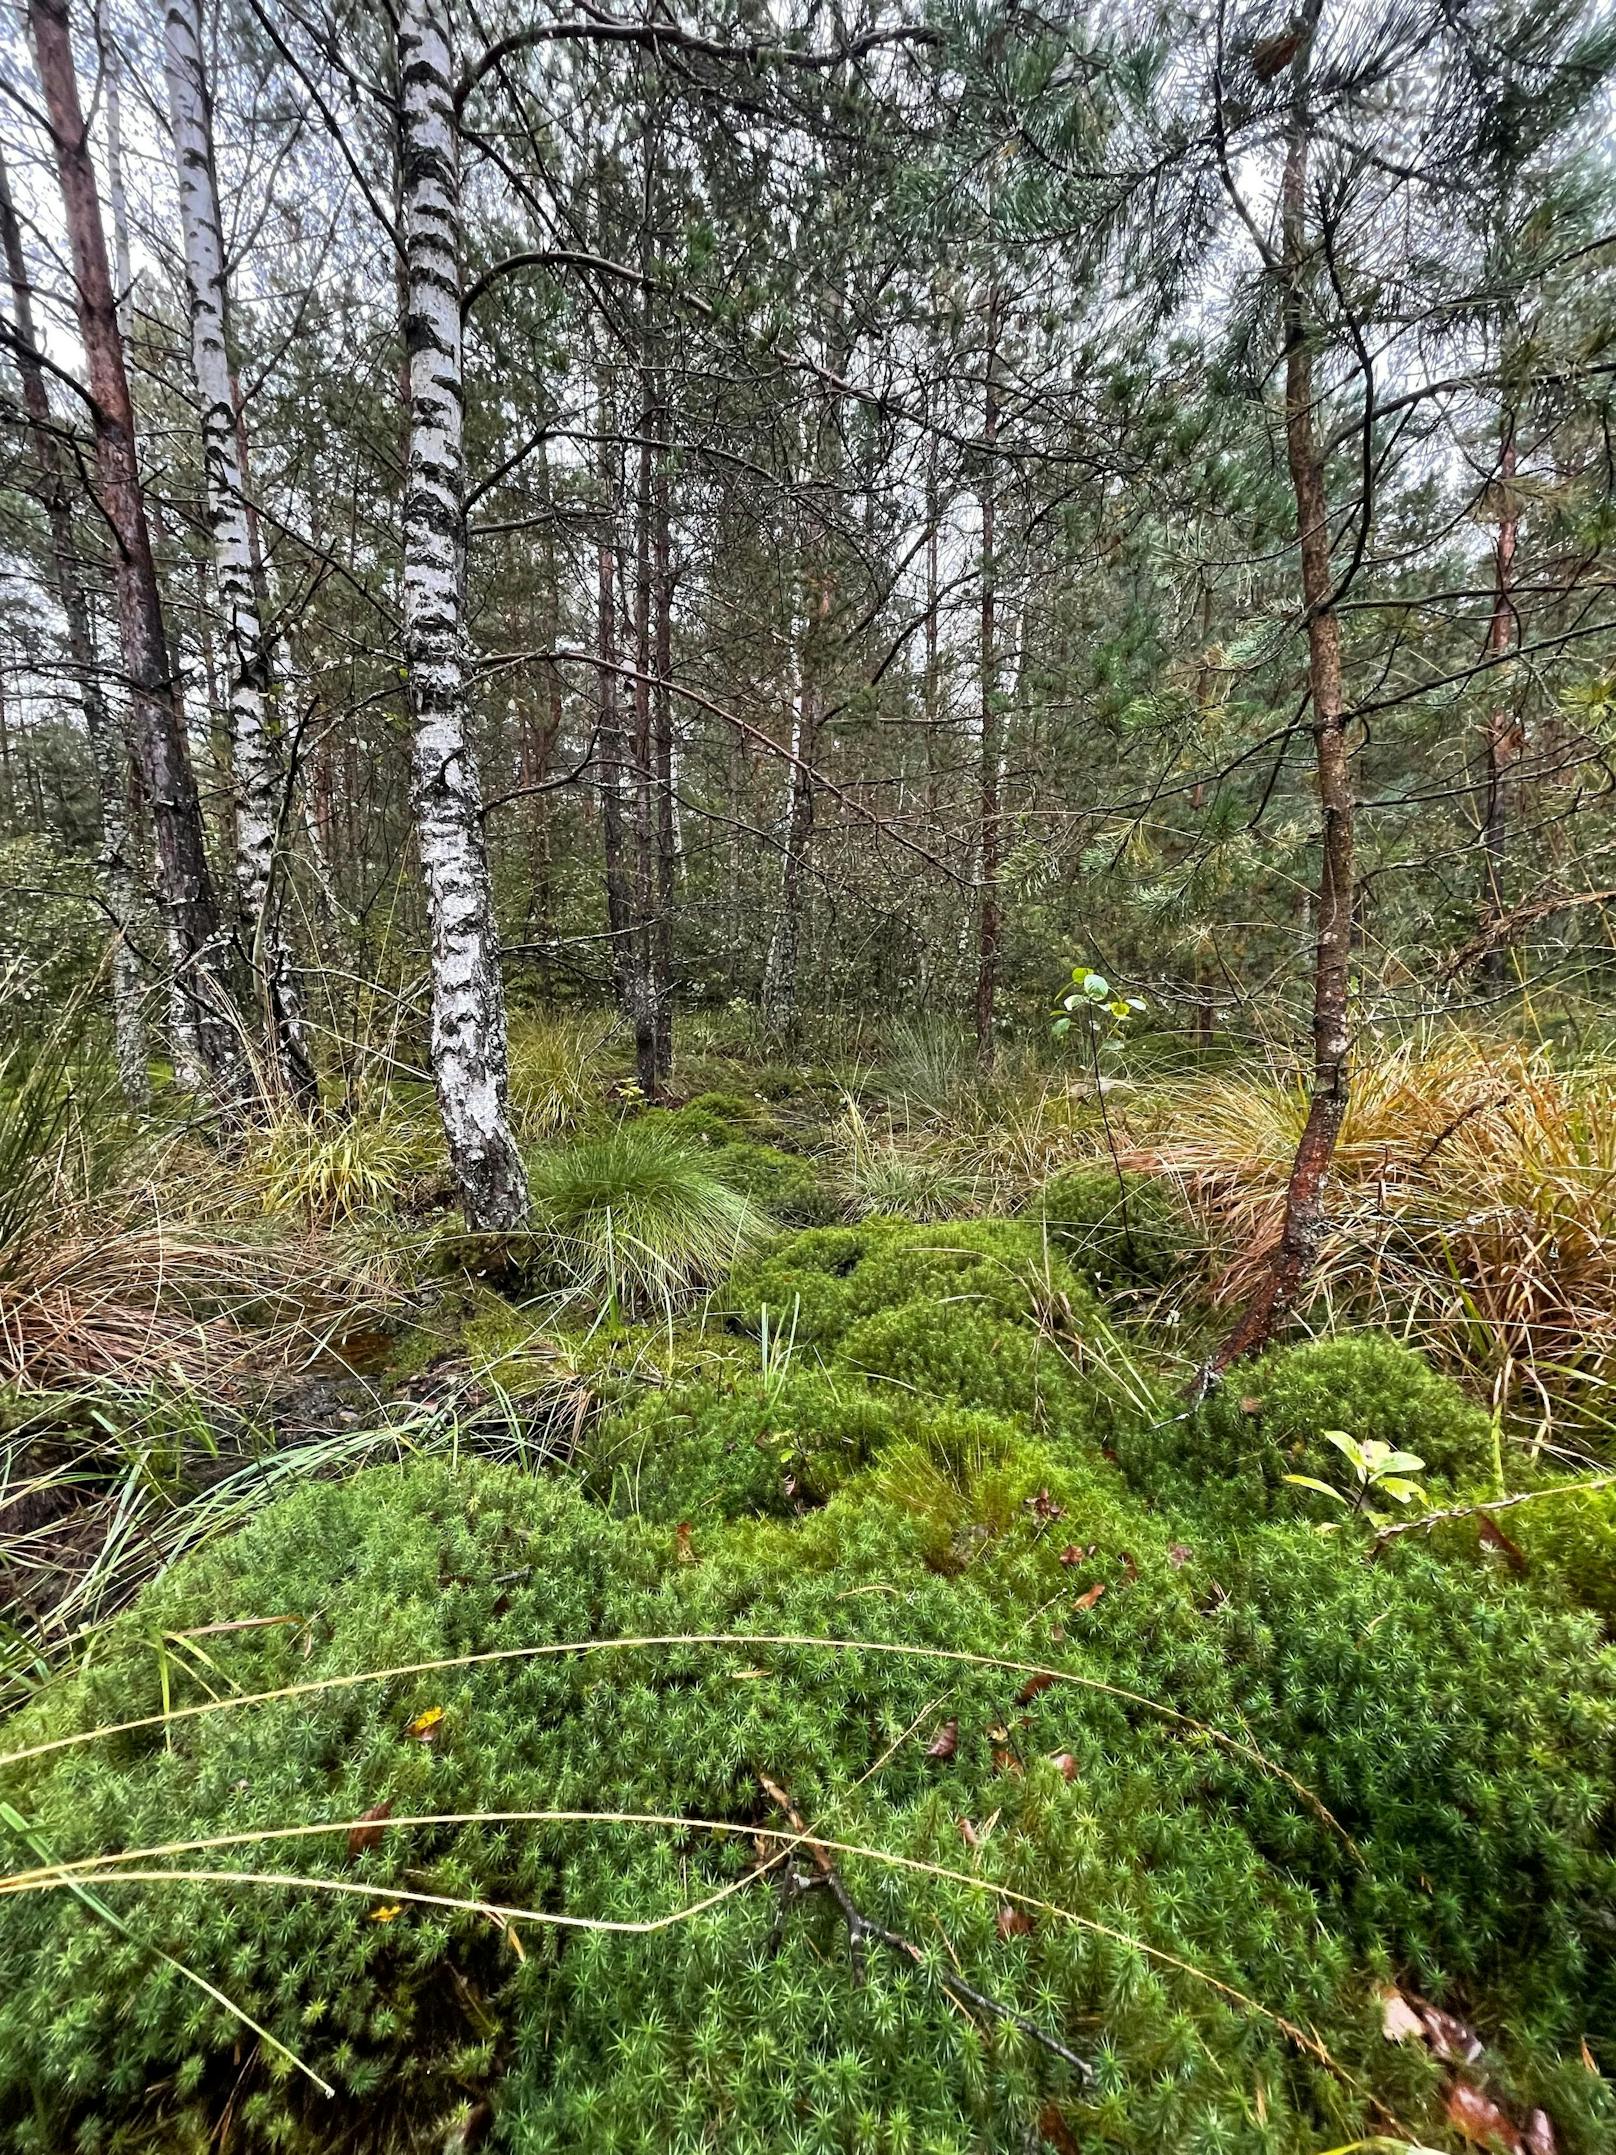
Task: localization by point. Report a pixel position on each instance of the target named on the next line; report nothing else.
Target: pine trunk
(1502, 739)
(256, 778)
(206, 1027)
(119, 884)
(1297, 1250)
(469, 1051)
(987, 927)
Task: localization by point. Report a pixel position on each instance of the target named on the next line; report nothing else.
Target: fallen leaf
(1012, 1922)
(1087, 1601)
(1449, 2037)
(1066, 1764)
(367, 1834)
(387, 1914)
(683, 1548)
(1031, 1688)
(1539, 2134)
(424, 1728)
(1479, 2119)
(1054, 2131)
(1251, 1406)
(1071, 1554)
(1006, 1761)
(1398, 2019)
(1043, 1506)
(1130, 1570)
(968, 1833)
(946, 1741)
(1495, 1537)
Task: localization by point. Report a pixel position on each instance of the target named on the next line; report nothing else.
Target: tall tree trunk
(1303, 1224)
(255, 774)
(667, 837)
(108, 753)
(643, 995)
(1502, 734)
(613, 748)
(987, 919)
(780, 971)
(469, 1050)
(207, 1046)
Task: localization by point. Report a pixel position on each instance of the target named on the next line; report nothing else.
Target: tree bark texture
(108, 753)
(256, 779)
(469, 1047)
(1303, 1225)
(206, 1026)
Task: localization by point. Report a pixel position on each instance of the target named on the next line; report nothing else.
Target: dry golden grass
(1473, 1197)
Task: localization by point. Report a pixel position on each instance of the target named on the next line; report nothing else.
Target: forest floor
(773, 1659)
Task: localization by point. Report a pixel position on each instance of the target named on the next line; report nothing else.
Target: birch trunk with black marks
(780, 970)
(1303, 1225)
(256, 779)
(116, 865)
(469, 1053)
(204, 1022)
(613, 746)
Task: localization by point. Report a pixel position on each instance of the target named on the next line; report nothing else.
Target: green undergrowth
(1369, 1768)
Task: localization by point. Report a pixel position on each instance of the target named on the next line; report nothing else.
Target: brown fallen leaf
(1043, 1506)
(1480, 2120)
(1031, 1688)
(946, 1741)
(1071, 1554)
(1012, 1922)
(426, 1726)
(1495, 1538)
(1539, 2134)
(1006, 1761)
(1451, 2038)
(1130, 1570)
(1065, 1764)
(1087, 1601)
(683, 1546)
(1054, 2131)
(968, 1833)
(367, 1834)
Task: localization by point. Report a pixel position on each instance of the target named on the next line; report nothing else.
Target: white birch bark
(255, 775)
(469, 1062)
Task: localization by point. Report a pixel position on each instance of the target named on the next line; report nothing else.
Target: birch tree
(256, 776)
(469, 1062)
(203, 1020)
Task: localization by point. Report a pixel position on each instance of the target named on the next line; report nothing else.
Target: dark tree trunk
(108, 753)
(1502, 734)
(207, 1045)
(1297, 1250)
(987, 919)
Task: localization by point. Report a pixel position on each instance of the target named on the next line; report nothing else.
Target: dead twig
(861, 1929)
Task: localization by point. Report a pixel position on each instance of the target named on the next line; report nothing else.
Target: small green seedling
(1091, 993)
(1381, 1471)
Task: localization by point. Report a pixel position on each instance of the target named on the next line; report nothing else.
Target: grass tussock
(631, 1219)
(1473, 1201)
(556, 1078)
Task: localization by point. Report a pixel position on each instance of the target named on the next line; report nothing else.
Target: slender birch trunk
(1303, 1225)
(206, 1028)
(781, 969)
(119, 886)
(469, 1056)
(613, 749)
(256, 782)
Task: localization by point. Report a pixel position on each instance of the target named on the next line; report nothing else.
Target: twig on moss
(862, 1928)
(1475, 1511)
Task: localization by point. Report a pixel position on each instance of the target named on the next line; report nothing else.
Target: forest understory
(807, 1090)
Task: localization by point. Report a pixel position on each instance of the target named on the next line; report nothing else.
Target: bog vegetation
(807, 1117)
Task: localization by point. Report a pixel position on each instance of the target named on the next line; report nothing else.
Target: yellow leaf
(386, 1915)
(425, 1725)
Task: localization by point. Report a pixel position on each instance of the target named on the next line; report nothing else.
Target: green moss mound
(1269, 1417)
(1458, 1728)
(730, 1133)
(1125, 1230)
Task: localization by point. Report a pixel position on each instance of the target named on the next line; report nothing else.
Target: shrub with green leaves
(1458, 1728)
